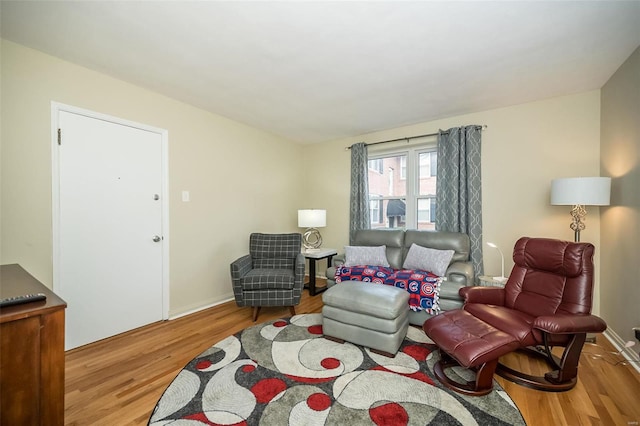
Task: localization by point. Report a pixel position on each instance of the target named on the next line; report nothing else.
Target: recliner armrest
(485, 295)
(460, 272)
(240, 267)
(568, 324)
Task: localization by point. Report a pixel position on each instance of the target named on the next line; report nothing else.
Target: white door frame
(56, 108)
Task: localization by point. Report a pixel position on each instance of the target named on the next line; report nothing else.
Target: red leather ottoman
(470, 342)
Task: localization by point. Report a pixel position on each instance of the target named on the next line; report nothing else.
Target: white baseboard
(198, 309)
(629, 354)
(317, 276)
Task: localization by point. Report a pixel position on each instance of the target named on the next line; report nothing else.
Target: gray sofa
(459, 273)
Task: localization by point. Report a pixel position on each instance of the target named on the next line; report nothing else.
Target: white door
(108, 264)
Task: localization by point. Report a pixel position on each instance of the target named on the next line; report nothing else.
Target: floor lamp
(580, 192)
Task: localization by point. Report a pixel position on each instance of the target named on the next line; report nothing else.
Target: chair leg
(256, 311)
(334, 339)
(383, 353)
(563, 378)
(292, 309)
(568, 370)
(482, 385)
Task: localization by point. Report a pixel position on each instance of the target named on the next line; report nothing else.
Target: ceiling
(317, 71)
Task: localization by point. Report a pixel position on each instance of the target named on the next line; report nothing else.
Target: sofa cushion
(392, 238)
(262, 279)
(441, 240)
(427, 259)
(363, 255)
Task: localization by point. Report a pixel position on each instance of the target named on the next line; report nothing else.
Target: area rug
(284, 373)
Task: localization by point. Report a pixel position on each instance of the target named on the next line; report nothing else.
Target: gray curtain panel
(458, 188)
(359, 217)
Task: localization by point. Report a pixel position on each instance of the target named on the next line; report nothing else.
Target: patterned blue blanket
(423, 286)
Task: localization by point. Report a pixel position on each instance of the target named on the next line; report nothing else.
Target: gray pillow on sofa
(428, 259)
(365, 255)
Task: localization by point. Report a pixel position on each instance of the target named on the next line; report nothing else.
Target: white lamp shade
(585, 191)
(312, 218)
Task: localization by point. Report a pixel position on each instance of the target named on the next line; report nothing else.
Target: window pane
(375, 165)
(434, 163)
(426, 174)
(425, 164)
(426, 210)
(386, 181)
(389, 213)
(375, 209)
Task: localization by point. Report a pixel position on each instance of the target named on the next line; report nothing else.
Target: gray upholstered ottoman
(371, 315)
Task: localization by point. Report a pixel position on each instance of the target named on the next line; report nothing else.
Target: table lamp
(312, 219)
(580, 192)
(501, 278)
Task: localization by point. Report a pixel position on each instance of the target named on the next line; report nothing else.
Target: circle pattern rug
(284, 373)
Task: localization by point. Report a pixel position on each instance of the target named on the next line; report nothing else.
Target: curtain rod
(408, 138)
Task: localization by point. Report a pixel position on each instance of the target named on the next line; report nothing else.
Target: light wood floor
(118, 381)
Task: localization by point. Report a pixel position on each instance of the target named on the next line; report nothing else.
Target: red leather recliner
(545, 303)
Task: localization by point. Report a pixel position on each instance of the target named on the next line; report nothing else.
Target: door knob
(156, 238)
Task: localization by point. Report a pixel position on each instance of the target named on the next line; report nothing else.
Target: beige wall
(523, 149)
(228, 168)
(620, 152)
(240, 179)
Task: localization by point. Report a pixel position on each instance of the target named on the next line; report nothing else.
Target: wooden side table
(31, 353)
(314, 255)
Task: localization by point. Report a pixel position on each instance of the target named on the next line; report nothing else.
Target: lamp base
(578, 213)
(311, 239)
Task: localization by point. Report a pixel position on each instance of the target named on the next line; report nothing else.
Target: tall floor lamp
(580, 192)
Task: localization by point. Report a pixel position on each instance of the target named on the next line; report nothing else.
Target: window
(402, 188)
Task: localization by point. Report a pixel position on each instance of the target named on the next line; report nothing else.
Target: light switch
(185, 196)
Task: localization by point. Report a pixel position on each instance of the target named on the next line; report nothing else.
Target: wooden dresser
(31, 353)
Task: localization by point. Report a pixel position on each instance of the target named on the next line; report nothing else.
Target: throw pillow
(364, 255)
(428, 259)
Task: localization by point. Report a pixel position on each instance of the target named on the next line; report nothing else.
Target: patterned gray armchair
(271, 274)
